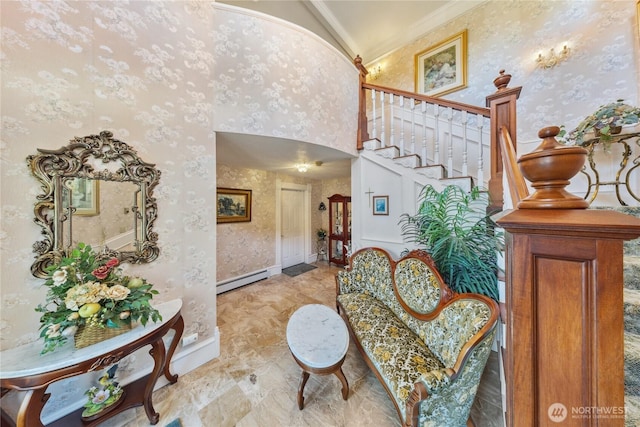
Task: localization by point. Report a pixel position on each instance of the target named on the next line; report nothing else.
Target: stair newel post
(363, 133)
(502, 106)
(564, 358)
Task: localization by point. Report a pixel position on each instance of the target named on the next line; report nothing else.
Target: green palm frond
(454, 228)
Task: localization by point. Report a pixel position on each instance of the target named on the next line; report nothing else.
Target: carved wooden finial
(357, 60)
(502, 81)
(548, 135)
(549, 168)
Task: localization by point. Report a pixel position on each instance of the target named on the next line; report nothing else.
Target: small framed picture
(234, 205)
(381, 205)
(442, 68)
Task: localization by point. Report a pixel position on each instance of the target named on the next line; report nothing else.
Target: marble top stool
(318, 340)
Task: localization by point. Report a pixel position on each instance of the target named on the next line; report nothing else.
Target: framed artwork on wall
(381, 205)
(234, 205)
(442, 68)
(85, 196)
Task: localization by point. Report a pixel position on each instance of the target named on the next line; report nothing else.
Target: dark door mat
(297, 269)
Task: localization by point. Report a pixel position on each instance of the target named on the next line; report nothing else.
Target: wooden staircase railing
(440, 131)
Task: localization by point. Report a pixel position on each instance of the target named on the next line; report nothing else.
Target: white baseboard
(184, 361)
(239, 281)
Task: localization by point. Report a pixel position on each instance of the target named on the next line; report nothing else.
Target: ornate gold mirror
(98, 191)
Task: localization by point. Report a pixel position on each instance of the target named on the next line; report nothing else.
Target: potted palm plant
(453, 226)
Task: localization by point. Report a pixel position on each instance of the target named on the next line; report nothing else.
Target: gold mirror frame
(53, 167)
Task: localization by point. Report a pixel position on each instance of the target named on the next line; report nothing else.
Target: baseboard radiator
(237, 282)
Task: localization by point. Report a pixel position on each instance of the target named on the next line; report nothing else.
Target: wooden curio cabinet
(339, 228)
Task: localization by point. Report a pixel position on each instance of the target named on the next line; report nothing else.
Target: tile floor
(254, 382)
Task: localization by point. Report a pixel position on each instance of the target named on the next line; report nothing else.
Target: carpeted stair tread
(631, 271)
(632, 311)
(632, 364)
(632, 411)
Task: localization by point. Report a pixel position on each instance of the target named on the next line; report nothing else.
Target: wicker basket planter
(87, 335)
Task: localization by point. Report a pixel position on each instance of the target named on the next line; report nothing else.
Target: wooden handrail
(500, 109)
(517, 185)
(442, 102)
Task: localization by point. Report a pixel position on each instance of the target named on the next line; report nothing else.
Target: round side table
(318, 340)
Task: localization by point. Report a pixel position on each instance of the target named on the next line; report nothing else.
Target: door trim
(306, 188)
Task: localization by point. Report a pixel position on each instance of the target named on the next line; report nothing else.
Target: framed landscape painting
(234, 205)
(442, 68)
(85, 196)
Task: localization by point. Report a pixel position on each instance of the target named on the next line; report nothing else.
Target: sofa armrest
(429, 383)
(436, 379)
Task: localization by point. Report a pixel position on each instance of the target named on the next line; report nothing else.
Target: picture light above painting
(234, 205)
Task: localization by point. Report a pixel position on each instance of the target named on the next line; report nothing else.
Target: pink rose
(112, 263)
(101, 272)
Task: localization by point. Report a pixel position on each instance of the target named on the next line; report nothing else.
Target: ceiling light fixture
(302, 167)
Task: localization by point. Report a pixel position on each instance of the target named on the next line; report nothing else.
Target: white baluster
(465, 154)
(391, 120)
(402, 126)
(412, 102)
(480, 123)
(374, 133)
(450, 153)
(382, 121)
(423, 106)
(436, 131)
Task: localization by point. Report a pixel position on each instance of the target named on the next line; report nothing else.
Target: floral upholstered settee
(427, 344)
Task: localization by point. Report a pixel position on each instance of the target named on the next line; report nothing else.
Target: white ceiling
(369, 28)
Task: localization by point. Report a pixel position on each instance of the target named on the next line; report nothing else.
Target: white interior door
(292, 202)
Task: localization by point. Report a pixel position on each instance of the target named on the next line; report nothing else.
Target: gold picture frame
(233, 205)
(85, 196)
(442, 68)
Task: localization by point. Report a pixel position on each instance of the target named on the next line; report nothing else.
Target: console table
(622, 178)
(24, 369)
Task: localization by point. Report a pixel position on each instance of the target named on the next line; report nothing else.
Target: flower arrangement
(321, 233)
(104, 396)
(605, 121)
(85, 290)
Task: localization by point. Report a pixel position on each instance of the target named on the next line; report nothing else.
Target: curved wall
(276, 79)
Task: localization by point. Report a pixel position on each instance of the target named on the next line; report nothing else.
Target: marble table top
(26, 360)
(317, 336)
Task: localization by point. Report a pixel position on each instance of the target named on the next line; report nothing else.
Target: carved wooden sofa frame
(427, 345)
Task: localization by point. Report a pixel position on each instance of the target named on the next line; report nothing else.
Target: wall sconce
(375, 72)
(552, 59)
(322, 207)
(302, 167)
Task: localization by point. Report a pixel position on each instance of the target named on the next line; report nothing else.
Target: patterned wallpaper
(255, 240)
(603, 65)
(163, 77)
